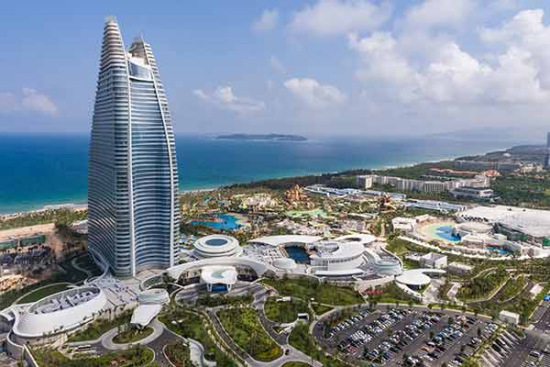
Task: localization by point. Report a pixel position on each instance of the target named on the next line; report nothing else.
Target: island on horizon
(262, 137)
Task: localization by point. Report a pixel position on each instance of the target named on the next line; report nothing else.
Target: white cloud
(450, 75)
(331, 17)
(29, 100)
(277, 65)
(224, 98)
(267, 21)
(314, 94)
(436, 13)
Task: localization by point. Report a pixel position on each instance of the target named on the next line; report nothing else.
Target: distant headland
(262, 137)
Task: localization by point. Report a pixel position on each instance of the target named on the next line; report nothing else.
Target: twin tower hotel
(133, 176)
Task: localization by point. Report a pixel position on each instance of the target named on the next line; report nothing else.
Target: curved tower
(133, 178)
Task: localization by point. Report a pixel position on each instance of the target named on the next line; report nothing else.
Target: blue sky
(346, 67)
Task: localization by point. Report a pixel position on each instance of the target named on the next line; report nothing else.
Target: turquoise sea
(44, 169)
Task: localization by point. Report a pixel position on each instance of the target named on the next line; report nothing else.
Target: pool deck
(430, 231)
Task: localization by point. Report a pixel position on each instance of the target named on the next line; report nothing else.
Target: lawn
(132, 335)
(244, 328)
(178, 354)
(100, 327)
(138, 356)
(320, 309)
(190, 325)
(40, 293)
(307, 289)
(296, 364)
(284, 312)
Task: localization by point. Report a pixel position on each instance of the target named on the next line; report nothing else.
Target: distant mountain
(262, 137)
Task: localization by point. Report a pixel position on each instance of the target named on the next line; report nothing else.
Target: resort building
(487, 165)
(433, 260)
(133, 177)
(473, 192)
(405, 184)
(517, 224)
(51, 319)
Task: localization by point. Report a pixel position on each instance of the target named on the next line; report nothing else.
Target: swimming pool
(446, 233)
(500, 250)
(298, 254)
(440, 231)
(224, 222)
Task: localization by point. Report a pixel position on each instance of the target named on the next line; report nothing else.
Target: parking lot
(405, 337)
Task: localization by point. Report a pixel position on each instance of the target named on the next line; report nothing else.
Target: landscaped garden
(132, 335)
(138, 356)
(178, 354)
(190, 325)
(244, 328)
(100, 327)
(483, 286)
(284, 312)
(308, 289)
(301, 339)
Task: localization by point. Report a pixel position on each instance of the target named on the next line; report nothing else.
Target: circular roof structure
(475, 227)
(59, 312)
(417, 277)
(217, 245)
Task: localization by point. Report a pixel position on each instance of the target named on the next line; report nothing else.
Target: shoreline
(84, 206)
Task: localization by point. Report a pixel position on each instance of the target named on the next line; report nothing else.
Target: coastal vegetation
(311, 289)
(244, 328)
(284, 312)
(137, 356)
(60, 216)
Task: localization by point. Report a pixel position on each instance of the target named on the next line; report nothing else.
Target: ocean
(46, 169)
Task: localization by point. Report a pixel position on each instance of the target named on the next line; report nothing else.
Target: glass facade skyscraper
(133, 178)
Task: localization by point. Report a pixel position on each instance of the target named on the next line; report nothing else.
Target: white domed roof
(285, 263)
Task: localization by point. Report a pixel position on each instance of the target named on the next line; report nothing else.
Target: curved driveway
(107, 338)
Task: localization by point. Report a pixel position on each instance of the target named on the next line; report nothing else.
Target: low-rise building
(509, 317)
(473, 192)
(403, 224)
(459, 268)
(433, 260)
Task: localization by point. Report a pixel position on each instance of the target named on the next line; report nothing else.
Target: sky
(322, 67)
